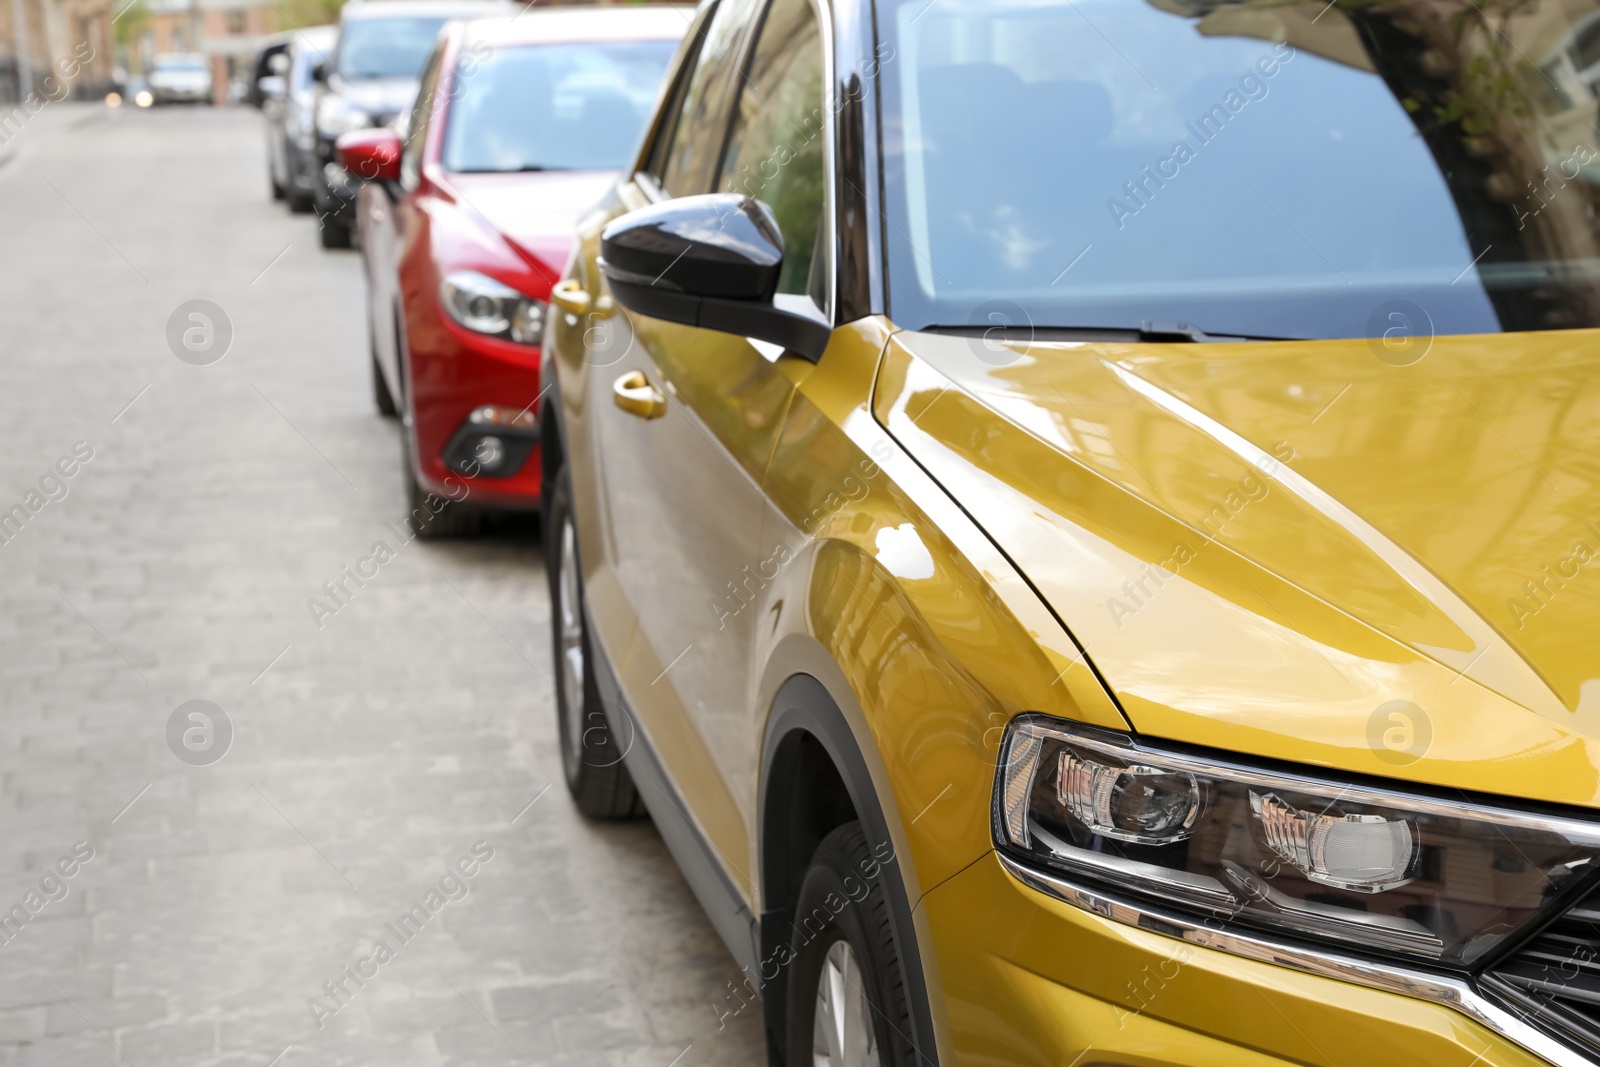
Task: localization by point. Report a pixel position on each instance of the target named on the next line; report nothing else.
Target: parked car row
(960, 538)
(465, 158)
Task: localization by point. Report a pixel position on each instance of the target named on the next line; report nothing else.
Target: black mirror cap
(711, 261)
(719, 245)
(319, 72)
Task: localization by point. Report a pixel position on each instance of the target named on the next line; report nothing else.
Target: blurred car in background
(370, 78)
(262, 65)
(518, 128)
(131, 90)
(180, 77)
(289, 104)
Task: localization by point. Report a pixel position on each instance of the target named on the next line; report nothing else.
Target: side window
(696, 135)
(655, 164)
(775, 150)
(415, 134)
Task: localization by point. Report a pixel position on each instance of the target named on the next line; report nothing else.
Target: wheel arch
(817, 775)
(552, 439)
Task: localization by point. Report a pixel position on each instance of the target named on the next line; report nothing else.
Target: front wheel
(381, 396)
(335, 234)
(847, 1002)
(299, 203)
(431, 517)
(591, 755)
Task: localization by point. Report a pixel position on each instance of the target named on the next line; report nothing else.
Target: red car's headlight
(483, 305)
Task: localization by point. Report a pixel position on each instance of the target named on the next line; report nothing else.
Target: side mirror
(319, 72)
(272, 87)
(710, 261)
(278, 63)
(373, 155)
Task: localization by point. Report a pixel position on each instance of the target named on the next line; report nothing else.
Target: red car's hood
(536, 213)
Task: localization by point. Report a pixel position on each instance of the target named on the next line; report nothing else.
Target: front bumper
(172, 95)
(1030, 979)
(453, 373)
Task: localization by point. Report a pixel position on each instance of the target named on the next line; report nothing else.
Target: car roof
(611, 23)
(178, 57)
(316, 38)
(389, 9)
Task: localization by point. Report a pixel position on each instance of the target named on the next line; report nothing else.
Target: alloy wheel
(842, 1034)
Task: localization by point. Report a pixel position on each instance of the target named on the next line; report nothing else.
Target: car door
(688, 503)
(389, 222)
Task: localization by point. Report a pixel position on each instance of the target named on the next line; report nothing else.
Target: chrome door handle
(634, 394)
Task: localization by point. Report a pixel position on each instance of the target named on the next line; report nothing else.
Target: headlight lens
(335, 116)
(1439, 881)
(486, 306)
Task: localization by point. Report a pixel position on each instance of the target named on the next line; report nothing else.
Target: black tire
(591, 755)
(380, 391)
(278, 192)
(334, 233)
(300, 203)
(434, 518)
(430, 517)
(839, 873)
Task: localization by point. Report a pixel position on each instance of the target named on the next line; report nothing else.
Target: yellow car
(1079, 520)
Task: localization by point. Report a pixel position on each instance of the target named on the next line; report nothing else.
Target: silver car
(180, 77)
(370, 78)
(288, 100)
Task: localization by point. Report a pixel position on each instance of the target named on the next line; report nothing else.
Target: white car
(180, 76)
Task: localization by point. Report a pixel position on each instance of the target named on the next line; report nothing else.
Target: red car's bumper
(454, 372)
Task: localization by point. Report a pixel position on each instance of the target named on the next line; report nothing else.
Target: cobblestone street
(402, 747)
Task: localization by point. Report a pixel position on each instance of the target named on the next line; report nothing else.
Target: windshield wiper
(531, 168)
(1148, 331)
(1183, 331)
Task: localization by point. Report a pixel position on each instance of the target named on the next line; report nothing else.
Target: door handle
(634, 394)
(571, 297)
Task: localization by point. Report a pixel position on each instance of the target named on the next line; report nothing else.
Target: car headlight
(336, 116)
(486, 306)
(1440, 881)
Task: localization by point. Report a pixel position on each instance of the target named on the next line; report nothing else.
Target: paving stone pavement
(369, 755)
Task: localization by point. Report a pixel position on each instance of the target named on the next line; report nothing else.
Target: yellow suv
(1078, 520)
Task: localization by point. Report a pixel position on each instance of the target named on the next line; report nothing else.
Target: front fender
(889, 627)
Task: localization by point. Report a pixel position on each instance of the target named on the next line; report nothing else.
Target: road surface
(375, 755)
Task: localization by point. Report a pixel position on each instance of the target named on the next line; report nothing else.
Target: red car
(466, 220)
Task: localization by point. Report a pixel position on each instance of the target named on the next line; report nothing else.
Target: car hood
(378, 96)
(1295, 549)
(536, 212)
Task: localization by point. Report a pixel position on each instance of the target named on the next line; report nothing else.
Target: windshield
(306, 53)
(179, 63)
(554, 107)
(300, 73)
(1260, 168)
(386, 48)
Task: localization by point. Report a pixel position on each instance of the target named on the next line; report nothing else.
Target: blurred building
(164, 26)
(231, 34)
(55, 49)
(227, 32)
